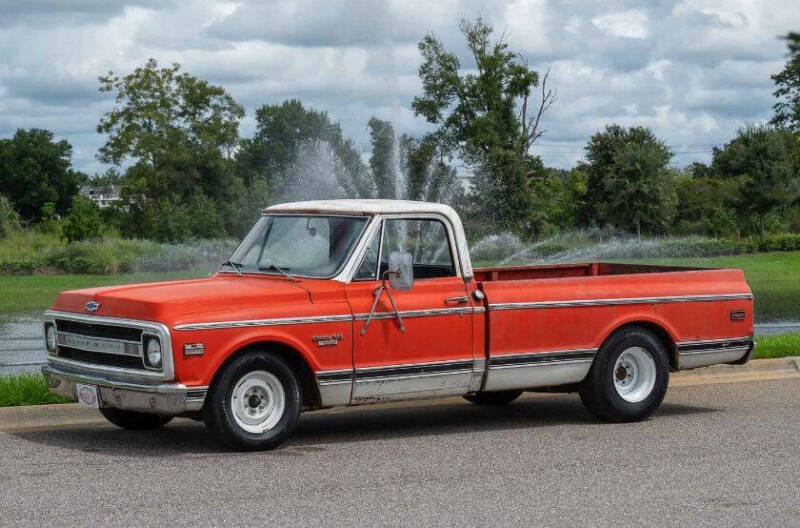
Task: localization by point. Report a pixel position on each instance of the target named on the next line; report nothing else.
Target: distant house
(102, 196)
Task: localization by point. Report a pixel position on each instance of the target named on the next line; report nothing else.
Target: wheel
(254, 403)
(491, 399)
(134, 421)
(629, 377)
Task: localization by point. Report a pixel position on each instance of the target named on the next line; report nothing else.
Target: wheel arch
(296, 359)
(659, 328)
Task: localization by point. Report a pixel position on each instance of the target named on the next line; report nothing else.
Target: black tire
(219, 416)
(598, 390)
(135, 421)
(493, 399)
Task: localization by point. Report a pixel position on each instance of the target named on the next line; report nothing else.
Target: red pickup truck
(349, 302)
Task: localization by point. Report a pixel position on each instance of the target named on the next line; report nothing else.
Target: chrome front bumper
(161, 398)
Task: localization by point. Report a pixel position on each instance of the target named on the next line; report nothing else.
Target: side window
(368, 269)
(427, 242)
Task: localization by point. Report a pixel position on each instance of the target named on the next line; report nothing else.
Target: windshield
(308, 246)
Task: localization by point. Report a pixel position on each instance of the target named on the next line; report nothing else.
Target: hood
(163, 301)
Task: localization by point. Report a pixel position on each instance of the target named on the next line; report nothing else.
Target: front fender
(221, 344)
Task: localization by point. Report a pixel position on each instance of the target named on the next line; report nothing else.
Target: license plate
(88, 395)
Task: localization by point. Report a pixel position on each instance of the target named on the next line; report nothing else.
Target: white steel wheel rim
(258, 401)
(634, 374)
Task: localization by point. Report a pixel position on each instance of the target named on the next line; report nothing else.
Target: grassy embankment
(26, 389)
(33, 293)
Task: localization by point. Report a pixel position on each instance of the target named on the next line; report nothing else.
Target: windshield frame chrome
(342, 266)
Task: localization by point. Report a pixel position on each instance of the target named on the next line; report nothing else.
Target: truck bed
(544, 324)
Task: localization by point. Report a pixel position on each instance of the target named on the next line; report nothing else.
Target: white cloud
(628, 24)
(694, 70)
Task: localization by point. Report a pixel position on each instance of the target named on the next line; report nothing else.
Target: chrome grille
(123, 333)
(100, 344)
(98, 358)
(110, 346)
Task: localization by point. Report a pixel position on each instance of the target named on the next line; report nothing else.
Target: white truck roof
(373, 207)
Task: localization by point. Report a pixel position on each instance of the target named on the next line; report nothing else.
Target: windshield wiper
(281, 270)
(235, 265)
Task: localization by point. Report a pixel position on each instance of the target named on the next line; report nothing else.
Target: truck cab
(349, 302)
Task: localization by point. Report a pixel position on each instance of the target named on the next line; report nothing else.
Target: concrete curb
(755, 370)
(72, 415)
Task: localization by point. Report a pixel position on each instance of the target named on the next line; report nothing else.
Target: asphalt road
(717, 455)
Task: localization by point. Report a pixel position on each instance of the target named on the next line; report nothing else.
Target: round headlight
(50, 338)
(154, 353)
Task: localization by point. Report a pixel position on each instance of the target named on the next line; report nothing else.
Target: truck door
(433, 356)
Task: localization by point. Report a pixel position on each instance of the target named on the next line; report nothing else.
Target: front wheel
(254, 403)
(629, 377)
(134, 421)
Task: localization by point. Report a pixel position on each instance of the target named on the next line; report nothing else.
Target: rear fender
(648, 320)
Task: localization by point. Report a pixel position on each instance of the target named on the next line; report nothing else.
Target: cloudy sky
(692, 70)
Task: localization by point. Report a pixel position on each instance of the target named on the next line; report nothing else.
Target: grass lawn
(773, 277)
(34, 293)
(26, 389)
(775, 346)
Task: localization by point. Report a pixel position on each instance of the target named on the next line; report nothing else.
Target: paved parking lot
(714, 455)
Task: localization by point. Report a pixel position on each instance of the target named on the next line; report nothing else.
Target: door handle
(457, 300)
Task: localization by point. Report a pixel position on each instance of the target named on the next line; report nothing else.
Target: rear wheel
(134, 421)
(254, 403)
(493, 399)
(629, 377)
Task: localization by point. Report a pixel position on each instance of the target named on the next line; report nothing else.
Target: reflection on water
(21, 344)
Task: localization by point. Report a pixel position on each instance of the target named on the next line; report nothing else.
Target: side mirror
(401, 270)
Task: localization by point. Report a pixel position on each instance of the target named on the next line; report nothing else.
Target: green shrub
(9, 218)
(83, 220)
(18, 267)
(779, 242)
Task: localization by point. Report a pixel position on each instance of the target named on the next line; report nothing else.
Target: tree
(787, 109)
(83, 220)
(180, 132)
(383, 160)
(557, 196)
(283, 132)
(761, 159)
(486, 117)
(706, 205)
(429, 176)
(629, 184)
(34, 170)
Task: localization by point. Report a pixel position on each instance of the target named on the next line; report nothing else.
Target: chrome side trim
(538, 369)
(325, 318)
(159, 329)
(694, 354)
(265, 322)
(686, 344)
(478, 372)
(539, 358)
(398, 381)
(614, 302)
(375, 389)
(408, 314)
